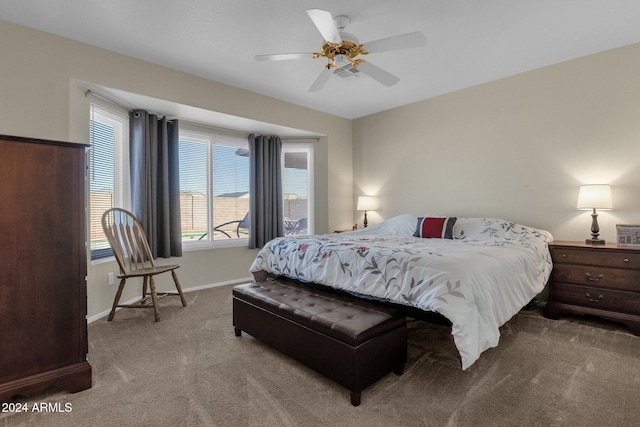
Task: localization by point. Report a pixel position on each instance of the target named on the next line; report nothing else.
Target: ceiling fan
(343, 51)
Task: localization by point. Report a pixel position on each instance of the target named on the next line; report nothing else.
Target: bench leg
(355, 398)
(238, 332)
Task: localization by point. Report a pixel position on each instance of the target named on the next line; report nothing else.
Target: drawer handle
(626, 260)
(593, 279)
(597, 299)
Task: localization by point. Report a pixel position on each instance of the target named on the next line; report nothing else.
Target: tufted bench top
(348, 319)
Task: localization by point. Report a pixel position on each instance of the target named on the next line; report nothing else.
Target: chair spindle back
(127, 239)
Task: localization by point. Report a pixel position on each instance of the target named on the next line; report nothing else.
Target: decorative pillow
(437, 228)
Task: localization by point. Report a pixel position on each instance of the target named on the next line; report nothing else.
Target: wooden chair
(131, 249)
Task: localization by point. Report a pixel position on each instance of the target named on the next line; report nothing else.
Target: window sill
(217, 244)
(191, 247)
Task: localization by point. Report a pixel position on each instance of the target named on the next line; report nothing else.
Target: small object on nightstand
(628, 235)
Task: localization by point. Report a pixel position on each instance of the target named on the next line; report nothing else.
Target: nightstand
(600, 280)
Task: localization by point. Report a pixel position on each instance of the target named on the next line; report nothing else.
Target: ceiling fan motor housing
(347, 48)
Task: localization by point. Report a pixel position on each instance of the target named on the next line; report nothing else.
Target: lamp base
(594, 242)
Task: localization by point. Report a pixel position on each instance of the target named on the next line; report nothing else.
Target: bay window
(214, 182)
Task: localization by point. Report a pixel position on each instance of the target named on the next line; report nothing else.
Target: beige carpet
(190, 370)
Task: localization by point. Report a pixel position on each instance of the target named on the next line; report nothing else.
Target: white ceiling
(469, 41)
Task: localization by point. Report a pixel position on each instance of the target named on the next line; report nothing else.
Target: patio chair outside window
(242, 224)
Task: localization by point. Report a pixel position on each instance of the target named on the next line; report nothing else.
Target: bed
(475, 272)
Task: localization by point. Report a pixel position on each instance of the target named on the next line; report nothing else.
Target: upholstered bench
(351, 341)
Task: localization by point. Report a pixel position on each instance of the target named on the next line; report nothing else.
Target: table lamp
(367, 203)
(595, 196)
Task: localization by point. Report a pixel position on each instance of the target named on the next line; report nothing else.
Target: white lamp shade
(367, 203)
(595, 196)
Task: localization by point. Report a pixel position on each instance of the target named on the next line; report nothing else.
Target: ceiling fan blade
(378, 73)
(283, 56)
(402, 41)
(320, 81)
(325, 24)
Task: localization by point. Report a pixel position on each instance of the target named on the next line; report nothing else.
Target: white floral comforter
(478, 280)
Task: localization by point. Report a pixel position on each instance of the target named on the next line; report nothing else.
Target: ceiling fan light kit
(346, 49)
(342, 49)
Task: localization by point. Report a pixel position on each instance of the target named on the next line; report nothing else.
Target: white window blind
(194, 176)
(108, 170)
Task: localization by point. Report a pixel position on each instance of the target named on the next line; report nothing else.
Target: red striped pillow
(435, 228)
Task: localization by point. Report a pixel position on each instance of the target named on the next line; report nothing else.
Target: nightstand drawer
(627, 259)
(596, 276)
(604, 299)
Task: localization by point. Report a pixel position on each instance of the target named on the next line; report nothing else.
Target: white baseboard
(215, 285)
(102, 314)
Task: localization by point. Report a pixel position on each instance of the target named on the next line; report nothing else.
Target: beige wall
(39, 97)
(517, 148)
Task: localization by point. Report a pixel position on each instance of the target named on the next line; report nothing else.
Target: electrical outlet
(111, 279)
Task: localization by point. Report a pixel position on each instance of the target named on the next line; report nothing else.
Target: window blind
(108, 170)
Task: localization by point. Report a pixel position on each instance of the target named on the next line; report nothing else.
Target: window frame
(204, 134)
(308, 149)
(118, 118)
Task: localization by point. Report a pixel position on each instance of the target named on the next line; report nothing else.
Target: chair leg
(179, 288)
(154, 298)
(144, 287)
(116, 300)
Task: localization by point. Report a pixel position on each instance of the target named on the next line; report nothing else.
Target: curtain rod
(118, 103)
(89, 92)
(227, 131)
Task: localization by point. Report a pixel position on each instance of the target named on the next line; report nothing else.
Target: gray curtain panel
(266, 205)
(155, 181)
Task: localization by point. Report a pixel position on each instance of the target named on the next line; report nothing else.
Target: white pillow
(401, 225)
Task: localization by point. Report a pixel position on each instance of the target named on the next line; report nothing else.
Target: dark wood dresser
(600, 280)
(43, 267)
